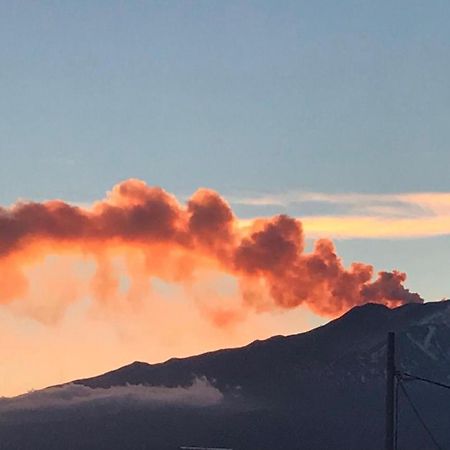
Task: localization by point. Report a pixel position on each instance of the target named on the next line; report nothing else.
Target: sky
(335, 113)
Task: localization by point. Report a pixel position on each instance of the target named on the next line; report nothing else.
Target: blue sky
(246, 97)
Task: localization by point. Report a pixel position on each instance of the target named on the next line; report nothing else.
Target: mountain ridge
(354, 325)
(318, 390)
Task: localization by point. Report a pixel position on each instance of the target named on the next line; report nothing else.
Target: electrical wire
(426, 380)
(419, 417)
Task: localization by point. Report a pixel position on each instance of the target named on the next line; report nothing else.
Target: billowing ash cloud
(200, 394)
(266, 256)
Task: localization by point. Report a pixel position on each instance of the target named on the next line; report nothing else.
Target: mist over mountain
(323, 389)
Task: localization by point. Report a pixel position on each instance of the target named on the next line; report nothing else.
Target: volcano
(323, 389)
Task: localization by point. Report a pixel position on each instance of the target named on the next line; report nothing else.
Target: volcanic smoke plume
(158, 237)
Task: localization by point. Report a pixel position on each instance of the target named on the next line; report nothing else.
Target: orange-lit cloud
(162, 238)
(139, 275)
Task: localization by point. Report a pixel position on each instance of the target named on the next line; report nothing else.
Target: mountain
(323, 389)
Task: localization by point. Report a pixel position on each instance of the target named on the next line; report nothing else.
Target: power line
(394, 380)
(419, 417)
(426, 380)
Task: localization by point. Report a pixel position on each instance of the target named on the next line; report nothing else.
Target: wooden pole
(390, 391)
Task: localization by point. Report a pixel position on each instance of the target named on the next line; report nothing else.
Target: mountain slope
(353, 343)
(316, 390)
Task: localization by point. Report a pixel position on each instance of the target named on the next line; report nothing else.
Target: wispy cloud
(406, 215)
(200, 393)
(348, 227)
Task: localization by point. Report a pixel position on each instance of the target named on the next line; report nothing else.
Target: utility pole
(390, 391)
